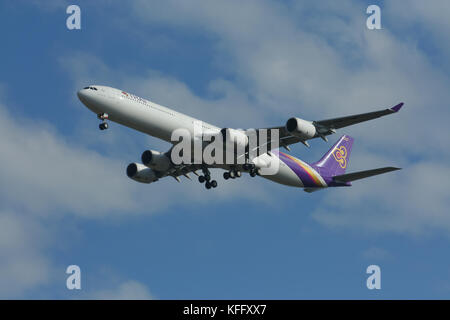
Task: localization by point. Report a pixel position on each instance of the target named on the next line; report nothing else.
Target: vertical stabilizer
(335, 161)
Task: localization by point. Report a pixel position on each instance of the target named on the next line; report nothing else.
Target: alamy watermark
(374, 280)
(374, 20)
(73, 21)
(73, 281)
(226, 147)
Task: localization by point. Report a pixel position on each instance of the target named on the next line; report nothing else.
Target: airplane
(158, 121)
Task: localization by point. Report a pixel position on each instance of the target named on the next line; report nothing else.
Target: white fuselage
(160, 122)
(139, 114)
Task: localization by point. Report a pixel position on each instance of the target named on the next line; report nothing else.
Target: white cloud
(412, 201)
(375, 254)
(44, 173)
(226, 99)
(311, 60)
(318, 60)
(23, 263)
(429, 22)
(44, 177)
(291, 67)
(128, 290)
(41, 172)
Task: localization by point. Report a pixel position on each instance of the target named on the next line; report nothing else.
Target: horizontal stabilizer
(362, 174)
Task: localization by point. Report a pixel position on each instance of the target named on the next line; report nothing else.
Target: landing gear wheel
(213, 183)
(103, 126)
(208, 185)
(232, 175)
(226, 175)
(252, 173)
(201, 179)
(238, 174)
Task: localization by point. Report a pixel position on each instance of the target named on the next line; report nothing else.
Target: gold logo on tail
(340, 155)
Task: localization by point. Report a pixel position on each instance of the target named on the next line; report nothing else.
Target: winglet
(397, 107)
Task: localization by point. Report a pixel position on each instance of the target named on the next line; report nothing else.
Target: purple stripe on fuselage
(304, 176)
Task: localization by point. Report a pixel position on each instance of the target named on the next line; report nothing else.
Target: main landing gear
(251, 168)
(206, 178)
(235, 173)
(104, 124)
(232, 174)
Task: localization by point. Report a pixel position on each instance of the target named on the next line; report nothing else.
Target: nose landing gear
(104, 124)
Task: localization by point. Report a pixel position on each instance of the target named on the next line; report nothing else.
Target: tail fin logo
(340, 155)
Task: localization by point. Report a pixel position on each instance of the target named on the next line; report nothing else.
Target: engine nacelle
(155, 160)
(234, 137)
(140, 173)
(301, 128)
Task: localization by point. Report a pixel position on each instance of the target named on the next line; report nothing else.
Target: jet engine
(301, 128)
(140, 173)
(155, 160)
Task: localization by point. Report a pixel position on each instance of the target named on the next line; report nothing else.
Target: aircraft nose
(81, 94)
(85, 96)
(89, 97)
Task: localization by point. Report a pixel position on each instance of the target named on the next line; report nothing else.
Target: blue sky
(65, 198)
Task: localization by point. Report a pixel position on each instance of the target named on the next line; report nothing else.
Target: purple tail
(335, 161)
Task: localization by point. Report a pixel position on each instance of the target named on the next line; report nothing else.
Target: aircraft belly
(284, 175)
(294, 172)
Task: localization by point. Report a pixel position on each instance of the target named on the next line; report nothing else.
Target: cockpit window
(90, 88)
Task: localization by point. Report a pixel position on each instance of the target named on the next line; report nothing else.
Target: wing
(324, 127)
(338, 123)
(180, 170)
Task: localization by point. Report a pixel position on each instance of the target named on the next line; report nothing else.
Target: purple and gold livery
(308, 176)
(329, 171)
